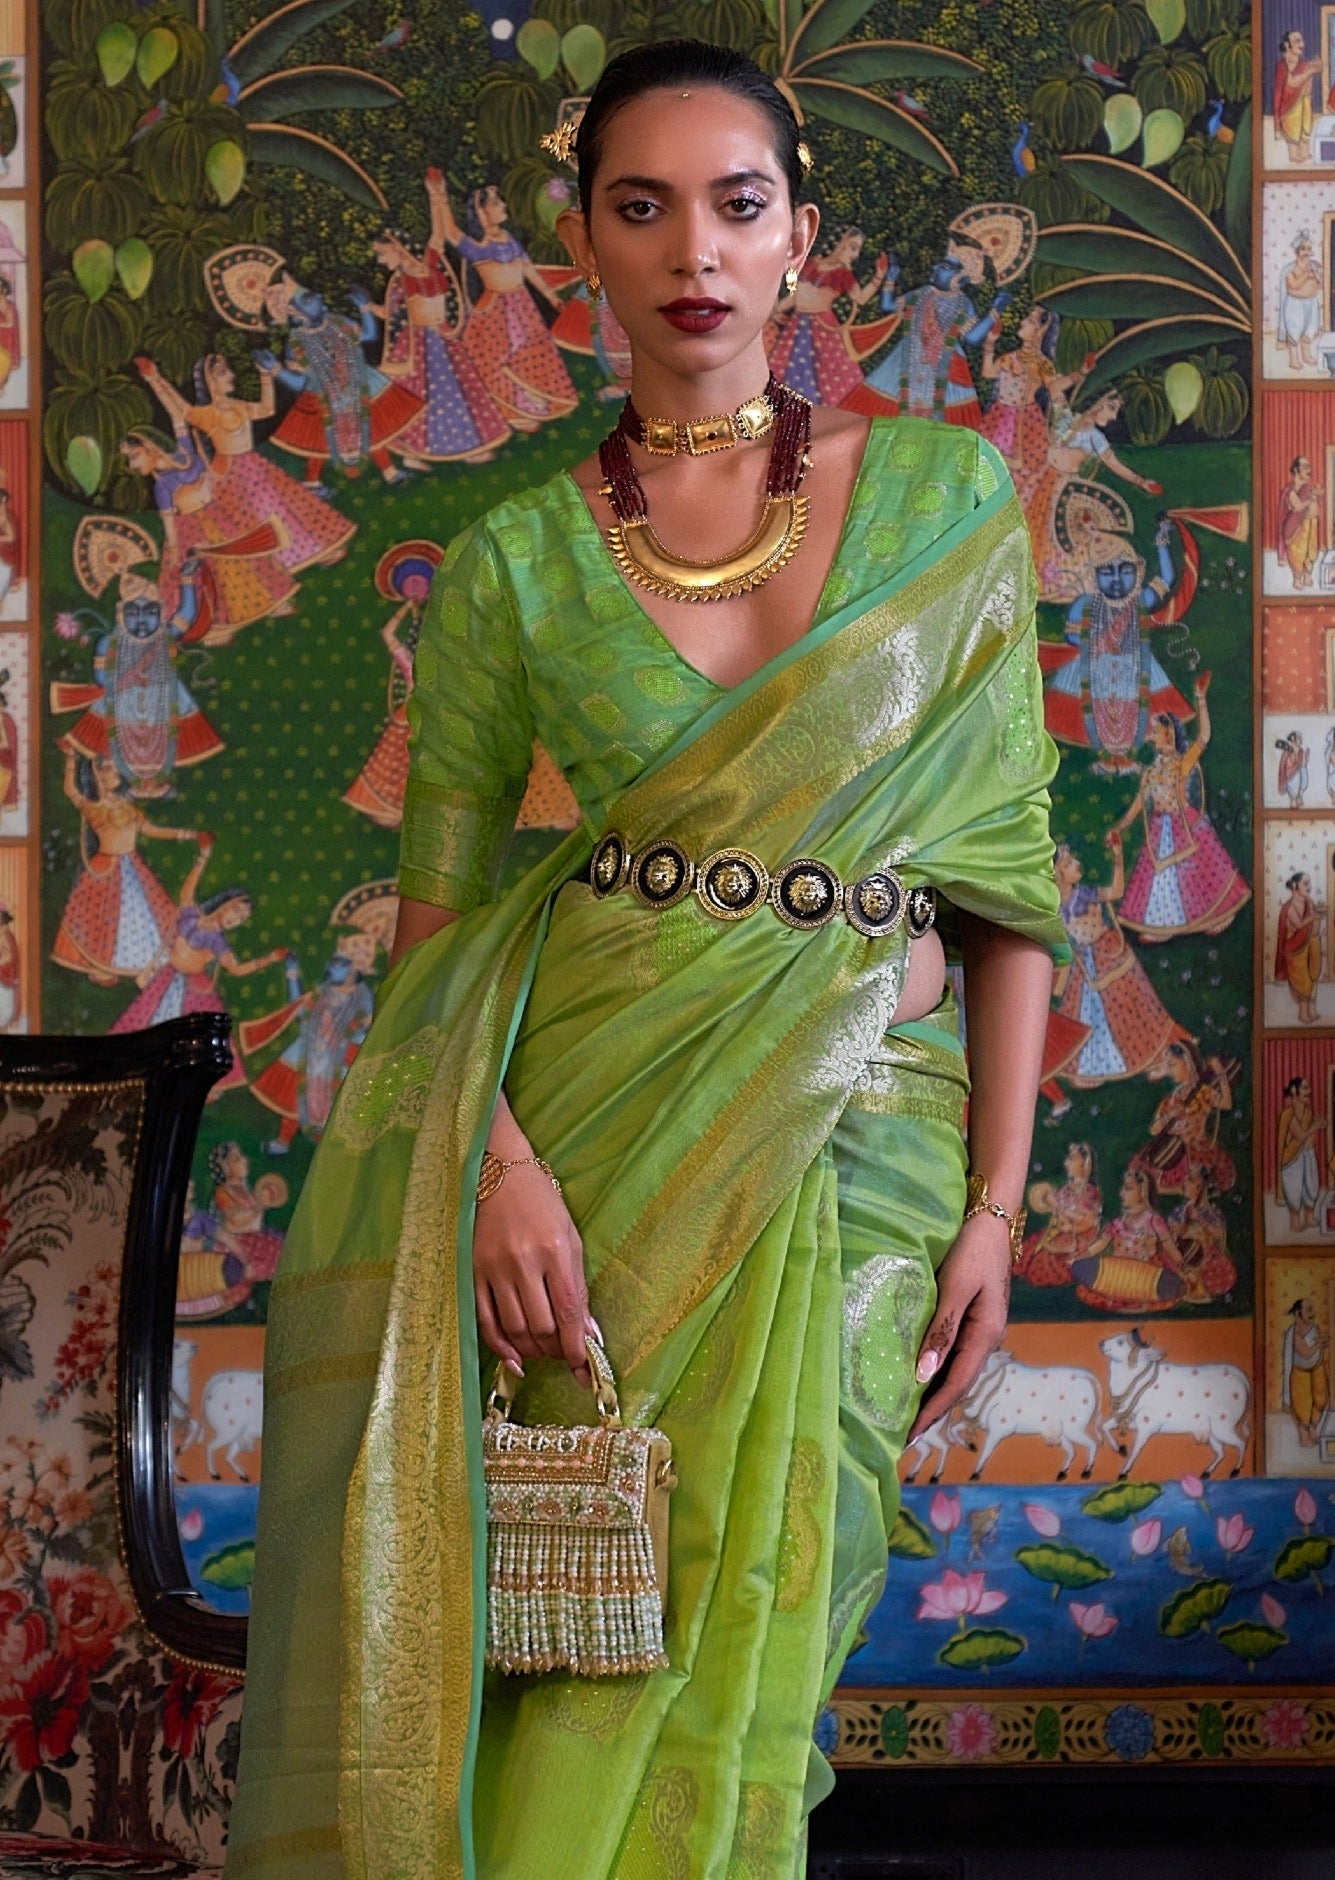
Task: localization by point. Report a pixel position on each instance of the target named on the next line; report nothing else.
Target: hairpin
(804, 156)
(560, 143)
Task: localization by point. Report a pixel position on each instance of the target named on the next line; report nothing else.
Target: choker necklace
(641, 556)
(664, 437)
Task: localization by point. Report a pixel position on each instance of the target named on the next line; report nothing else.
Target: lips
(695, 316)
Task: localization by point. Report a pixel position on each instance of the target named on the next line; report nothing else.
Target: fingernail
(598, 1333)
(512, 1364)
(928, 1365)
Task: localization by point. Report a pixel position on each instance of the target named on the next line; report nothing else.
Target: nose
(693, 249)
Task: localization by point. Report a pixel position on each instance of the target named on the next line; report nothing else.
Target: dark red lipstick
(695, 316)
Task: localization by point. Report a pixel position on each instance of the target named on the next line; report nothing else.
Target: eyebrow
(720, 182)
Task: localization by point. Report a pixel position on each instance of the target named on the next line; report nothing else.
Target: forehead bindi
(688, 143)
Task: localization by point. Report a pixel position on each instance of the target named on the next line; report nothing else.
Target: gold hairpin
(804, 156)
(560, 143)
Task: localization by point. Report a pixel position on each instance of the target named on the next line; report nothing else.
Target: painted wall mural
(302, 315)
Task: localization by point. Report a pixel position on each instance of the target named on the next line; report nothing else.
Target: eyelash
(753, 204)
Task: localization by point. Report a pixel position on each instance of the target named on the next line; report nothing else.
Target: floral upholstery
(114, 1758)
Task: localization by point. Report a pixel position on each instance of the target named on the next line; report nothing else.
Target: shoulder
(946, 453)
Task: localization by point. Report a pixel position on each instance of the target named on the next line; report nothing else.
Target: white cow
(1150, 1397)
(1060, 1403)
(182, 1417)
(233, 1408)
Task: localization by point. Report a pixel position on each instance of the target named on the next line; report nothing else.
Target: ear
(806, 222)
(573, 230)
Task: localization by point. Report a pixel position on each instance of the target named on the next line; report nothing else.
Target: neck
(660, 392)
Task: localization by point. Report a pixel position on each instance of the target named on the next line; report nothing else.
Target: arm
(166, 394)
(992, 367)
(1075, 613)
(535, 279)
(263, 406)
(1115, 464)
(70, 787)
(861, 295)
(186, 898)
(1007, 985)
(444, 228)
(241, 969)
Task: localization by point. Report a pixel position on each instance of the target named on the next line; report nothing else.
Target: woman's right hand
(528, 1272)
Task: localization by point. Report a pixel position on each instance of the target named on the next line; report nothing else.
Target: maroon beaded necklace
(637, 549)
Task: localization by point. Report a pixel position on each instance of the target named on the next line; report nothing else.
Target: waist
(732, 884)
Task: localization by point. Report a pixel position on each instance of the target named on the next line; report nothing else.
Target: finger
(492, 1335)
(513, 1321)
(538, 1314)
(957, 1379)
(939, 1337)
(569, 1297)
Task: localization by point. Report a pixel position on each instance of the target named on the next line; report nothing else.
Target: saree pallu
(764, 1172)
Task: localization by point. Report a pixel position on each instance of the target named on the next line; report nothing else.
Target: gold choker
(664, 437)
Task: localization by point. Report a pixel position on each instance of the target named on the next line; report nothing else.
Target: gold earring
(790, 280)
(593, 281)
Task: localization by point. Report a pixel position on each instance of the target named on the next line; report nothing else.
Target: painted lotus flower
(1092, 1621)
(1271, 1610)
(1042, 1520)
(1193, 1487)
(956, 1594)
(945, 1512)
(1304, 1507)
(1145, 1537)
(970, 1732)
(66, 626)
(1284, 1724)
(1233, 1533)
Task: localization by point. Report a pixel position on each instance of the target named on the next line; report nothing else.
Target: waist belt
(730, 884)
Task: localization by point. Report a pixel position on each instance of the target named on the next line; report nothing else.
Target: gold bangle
(978, 1201)
(494, 1167)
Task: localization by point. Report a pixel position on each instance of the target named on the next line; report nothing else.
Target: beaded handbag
(577, 1528)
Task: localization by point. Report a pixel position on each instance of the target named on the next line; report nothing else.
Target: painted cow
(233, 1408)
(183, 1421)
(1151, 1397)
(1060, 1403)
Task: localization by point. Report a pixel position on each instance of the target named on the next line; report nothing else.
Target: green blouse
(531, 632)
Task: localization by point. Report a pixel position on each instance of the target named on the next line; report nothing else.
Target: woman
(119, 916)
(247, 489)
(1134, 1264)
(1077, 447)
(1027, 383)
(1105, 988)
(1298, 946)
(189, 964)
(687, 1074)
(423, 314)
(1184, 1138)
(504, 334)
(248, 582)
(813, 351)
(1074, 1210)
(1184, 880)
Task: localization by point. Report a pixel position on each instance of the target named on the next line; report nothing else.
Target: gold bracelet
(978, 1201)
(494, 1167)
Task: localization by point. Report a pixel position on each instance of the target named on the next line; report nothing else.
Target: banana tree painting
(826, 75)
(265, 94)
(1175, 283)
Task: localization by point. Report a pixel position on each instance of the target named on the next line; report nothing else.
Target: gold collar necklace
(664, 437)
(640, 554)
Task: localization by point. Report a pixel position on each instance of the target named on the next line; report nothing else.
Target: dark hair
(1176, 726)
(219, 1156)
(1293, 467)
(211, 903)
(1293, 1086)
(682, 63)
(1293, 880)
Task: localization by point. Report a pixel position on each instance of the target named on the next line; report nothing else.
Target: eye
(745, 207)
(636, 209)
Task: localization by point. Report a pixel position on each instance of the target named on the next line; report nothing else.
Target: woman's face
(690, 205)
(388, 252)
(491, 206)
(848, 247)
(1067, 870)
(234, 914)
(107, 776)
(220, 376)
(1034, 325)
(1077, 1163)
(1161, 735)
(137, 455)
(1132, 1191)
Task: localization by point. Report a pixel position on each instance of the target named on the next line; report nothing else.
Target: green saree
(764, 1172)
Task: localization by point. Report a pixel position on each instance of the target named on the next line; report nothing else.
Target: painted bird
(150, 120)
(1021, 155)
(907, 102)
(230, 89)
(1104, 73)
(397, 37)
(1214, 123)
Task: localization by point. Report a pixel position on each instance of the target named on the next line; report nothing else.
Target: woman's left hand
(973, 1297)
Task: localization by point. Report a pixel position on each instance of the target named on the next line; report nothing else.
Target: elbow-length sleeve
(470, 733)
(995, 858)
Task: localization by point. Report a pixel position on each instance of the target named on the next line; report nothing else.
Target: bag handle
(500, 1402)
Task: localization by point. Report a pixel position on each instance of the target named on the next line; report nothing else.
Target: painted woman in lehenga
(423, 315)
(756, 1125)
